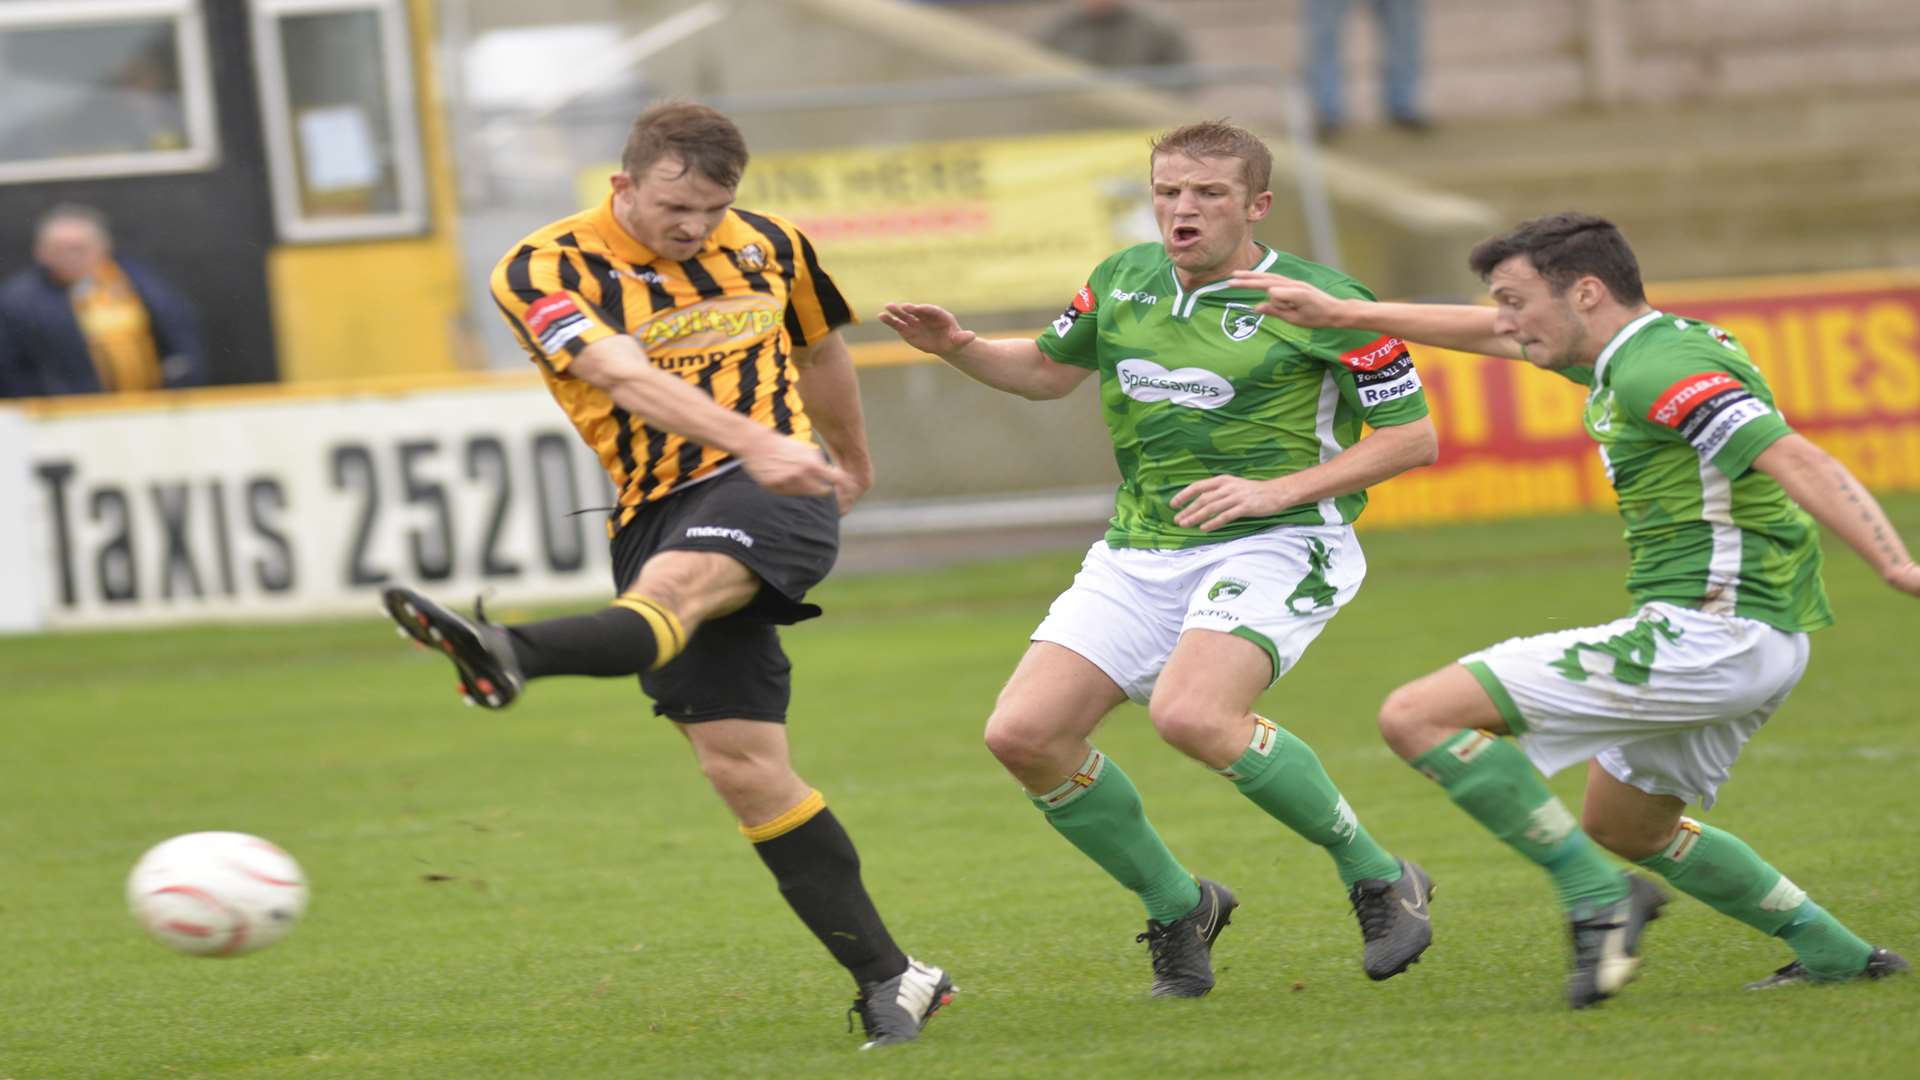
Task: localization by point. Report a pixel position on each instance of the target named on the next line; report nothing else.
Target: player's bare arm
(1015, 365)
(1383, 453)
(1464, 327)
(1826, 489)
(619, 366)
(831, 394)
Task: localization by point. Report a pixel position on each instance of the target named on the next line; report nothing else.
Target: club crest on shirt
(1239, 321)
(1226, 589)
(753, 258)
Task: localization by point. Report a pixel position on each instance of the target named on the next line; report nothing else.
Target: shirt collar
(1619, 339)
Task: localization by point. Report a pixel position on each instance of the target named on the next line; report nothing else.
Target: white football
(217, 893)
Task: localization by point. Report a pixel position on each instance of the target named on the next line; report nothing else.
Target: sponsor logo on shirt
(1082, 305)
(1239, 321)
(1715, 435)
(712, 323)
(1387, 383)
(1192, 387)
(1146, 298)
(555, 320)
(1376, 354)
(1678, 402)
(1706, 409)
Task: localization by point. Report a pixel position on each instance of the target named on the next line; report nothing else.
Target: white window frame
(403, 120)
(202, 151)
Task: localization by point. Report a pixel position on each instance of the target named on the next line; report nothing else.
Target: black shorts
(734, 668)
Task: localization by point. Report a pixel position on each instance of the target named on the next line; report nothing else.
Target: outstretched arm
(1382, 453)
(1826, 489)
(1015, 365)
(1465, 327)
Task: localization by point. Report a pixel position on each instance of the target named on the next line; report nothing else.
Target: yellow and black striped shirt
(726, 321)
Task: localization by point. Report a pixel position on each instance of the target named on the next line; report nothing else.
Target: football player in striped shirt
(1720, 496)
(695, 346)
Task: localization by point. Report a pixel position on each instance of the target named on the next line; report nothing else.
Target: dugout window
(343, 133)
(98, 88)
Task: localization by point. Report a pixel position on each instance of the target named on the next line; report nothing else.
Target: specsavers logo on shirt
(1195, 388)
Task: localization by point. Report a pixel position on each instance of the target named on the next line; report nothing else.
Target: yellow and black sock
(813, 860)
(634, 635)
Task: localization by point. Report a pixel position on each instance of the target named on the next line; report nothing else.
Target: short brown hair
(1218, 138)
(702, 138)
(1564, 248)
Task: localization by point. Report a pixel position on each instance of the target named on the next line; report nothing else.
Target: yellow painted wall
(342, 310)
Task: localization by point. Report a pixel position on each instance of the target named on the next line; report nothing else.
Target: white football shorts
(1664, 699)
(1127, 607)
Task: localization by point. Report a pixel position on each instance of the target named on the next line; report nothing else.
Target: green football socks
(1718, 869)
(1493, 782)
(1099, 811)
(1283, 776)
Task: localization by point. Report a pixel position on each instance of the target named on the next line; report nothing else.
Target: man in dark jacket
(83, 322)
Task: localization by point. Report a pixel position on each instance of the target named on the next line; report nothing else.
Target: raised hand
(927, 327)
(1294, 301)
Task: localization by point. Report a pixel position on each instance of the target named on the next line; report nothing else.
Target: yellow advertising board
(972, 224)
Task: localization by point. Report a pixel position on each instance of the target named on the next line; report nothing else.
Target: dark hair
(1564, 248)
(702, 138)
(1218, 138)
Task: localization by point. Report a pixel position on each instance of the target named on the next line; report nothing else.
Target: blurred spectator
(85, 322)
(1399, 26)
(1118, 34)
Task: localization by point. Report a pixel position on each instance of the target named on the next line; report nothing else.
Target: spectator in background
(84, 322)
(1399, 25)
(1118, 34)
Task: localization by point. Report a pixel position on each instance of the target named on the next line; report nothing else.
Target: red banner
(1841, 352)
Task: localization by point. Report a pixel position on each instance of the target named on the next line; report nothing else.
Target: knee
(1017, 738)
(736, 776)
(1405, 721)
(1185, 726)
(1631, 840)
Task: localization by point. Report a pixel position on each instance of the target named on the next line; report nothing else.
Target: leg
(1039, 730)
(1446, 725)
(646, 626)
(1046, 712)
(1720, 870)
(1203, 706)
(818, 872)
(670, 578)
(1325, 19)
(1399, 24)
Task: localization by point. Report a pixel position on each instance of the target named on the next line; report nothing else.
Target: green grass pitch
(552, 891)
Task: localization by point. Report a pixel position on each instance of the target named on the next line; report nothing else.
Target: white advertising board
(296, 507)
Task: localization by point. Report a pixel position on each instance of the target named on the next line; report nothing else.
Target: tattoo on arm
(1876, 523)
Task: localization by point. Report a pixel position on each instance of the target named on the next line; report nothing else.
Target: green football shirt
(1680, 412)
(1195, 383)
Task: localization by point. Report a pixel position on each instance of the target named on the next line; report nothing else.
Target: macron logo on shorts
(700, 532)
